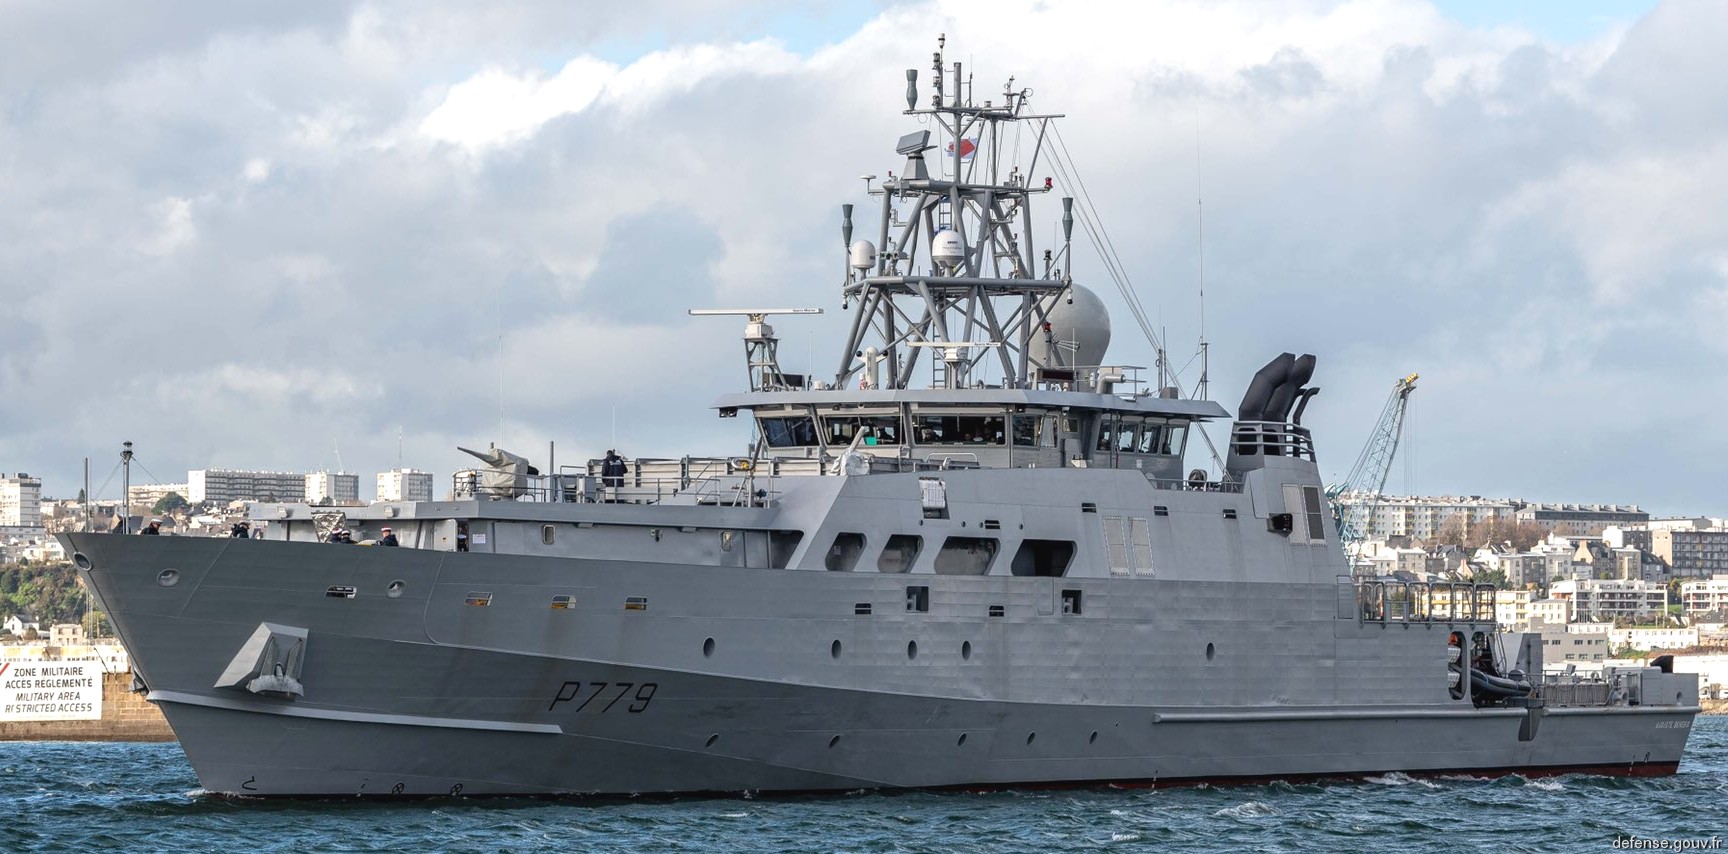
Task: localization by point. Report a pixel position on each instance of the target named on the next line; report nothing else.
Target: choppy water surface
(144, 797)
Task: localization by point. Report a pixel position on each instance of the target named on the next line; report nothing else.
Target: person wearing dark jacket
(612, 471)
(154, 530)
(389, 539)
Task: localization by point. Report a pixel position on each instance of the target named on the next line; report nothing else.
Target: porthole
(833, 741)
(168, 577)
(834, 649)
(1031, 737)
(962, 741)
(911, 649)
(1210, 651)
(395, 589)
(711, 739)
(966, 650)
(82, 561)
(1093, 738)
(708, 648)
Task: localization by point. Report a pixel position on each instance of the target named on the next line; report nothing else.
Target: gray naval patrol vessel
(989, 572)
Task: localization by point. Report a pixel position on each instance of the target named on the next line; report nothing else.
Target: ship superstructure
(971, 556)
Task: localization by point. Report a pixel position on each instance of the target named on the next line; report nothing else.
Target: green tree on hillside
(170, 503)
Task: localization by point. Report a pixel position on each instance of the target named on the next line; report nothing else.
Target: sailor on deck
(612, 471)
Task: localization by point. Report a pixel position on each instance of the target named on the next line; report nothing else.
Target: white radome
(947, 249)
(861, 255)
(1080, 329)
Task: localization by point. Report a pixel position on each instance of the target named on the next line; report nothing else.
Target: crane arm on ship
(1367, 478)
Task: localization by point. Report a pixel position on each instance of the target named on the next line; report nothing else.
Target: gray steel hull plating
(421, 694)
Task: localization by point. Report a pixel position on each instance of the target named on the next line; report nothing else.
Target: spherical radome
(1080, 330)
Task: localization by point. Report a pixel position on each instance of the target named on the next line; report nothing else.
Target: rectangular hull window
(965, 556)
(1043, 558)
(843, 554)
(899, 554)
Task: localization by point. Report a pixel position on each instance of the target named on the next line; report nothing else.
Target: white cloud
(496, 107)
(1534, 227)
(174, 228)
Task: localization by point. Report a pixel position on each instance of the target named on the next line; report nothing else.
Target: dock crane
(1375, 463)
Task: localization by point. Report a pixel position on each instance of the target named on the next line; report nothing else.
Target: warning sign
(50, 691)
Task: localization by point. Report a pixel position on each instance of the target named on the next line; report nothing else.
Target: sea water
(60, 796)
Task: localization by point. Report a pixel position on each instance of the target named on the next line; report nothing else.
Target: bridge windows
(877, 429)
(959, 429)
(796, 431)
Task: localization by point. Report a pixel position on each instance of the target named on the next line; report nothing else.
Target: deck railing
(1271, 438)
(1384, 600)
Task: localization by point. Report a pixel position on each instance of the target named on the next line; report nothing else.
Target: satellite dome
(861, 255)
(947, 249)
(1079, 329)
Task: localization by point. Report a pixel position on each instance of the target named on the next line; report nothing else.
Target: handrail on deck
(1385, 600)
(1271, 438)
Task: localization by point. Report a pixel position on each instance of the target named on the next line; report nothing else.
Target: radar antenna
(761, 348)
(954, 267)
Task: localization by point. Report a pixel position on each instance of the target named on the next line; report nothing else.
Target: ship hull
(421, 694)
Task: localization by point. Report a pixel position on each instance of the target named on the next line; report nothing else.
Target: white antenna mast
(1200, 210)
(761, 348)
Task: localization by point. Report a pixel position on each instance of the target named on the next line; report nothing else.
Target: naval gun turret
(505, 476)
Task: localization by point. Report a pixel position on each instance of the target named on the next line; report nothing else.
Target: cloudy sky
(264, 235)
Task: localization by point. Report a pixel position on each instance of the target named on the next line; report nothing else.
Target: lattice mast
(958, 272)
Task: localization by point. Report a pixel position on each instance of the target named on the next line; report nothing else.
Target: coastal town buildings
(20, 501)
(241, 485)
(1587, 520)
(1421, 516)
(145, 496)
(1702, 600)
(338, 488)
(1605, 600)
(404, 485)
(1691, 553)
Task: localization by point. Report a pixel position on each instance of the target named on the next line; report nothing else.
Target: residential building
(1618, 537)
(404, 485)
(1691, 553)
(240, 485)
(1585, 520)
(20, 501)
(1701, 599)
(339, 488)
(1605, 600)
(1421, 516)
(1653, 637)
(1521, 610)
(146, 496)
(1561, 647)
